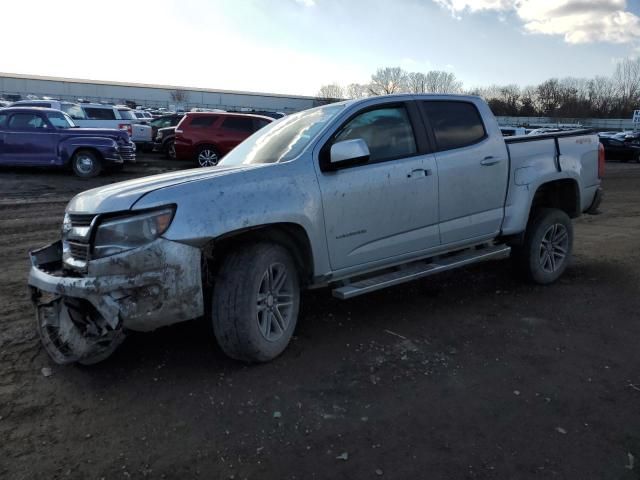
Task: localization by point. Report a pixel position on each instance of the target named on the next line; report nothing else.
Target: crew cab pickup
(354, 196)
(49, 138)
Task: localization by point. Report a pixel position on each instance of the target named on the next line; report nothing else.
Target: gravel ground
(470, 374)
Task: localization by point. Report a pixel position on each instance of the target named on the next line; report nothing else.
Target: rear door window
(455, 124)
(99, 113)
(202, 121)
(3, 119)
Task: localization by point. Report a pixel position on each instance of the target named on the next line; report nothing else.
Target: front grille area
(76, 240)
(79, 251)
(127, 153)
(81, 220)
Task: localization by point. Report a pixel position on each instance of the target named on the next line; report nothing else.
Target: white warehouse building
(15, 86)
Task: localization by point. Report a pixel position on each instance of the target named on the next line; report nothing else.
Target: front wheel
(547, 247)
(170, 150)
(255, 304)
(86, 164)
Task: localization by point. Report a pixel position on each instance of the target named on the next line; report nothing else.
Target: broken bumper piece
(84, 318)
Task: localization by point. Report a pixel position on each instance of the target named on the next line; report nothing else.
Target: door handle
(418, 173)
(490, 160)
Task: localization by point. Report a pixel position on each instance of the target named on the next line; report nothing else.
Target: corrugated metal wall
(66, 89)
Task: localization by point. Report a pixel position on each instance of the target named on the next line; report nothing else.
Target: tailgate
(141, 133)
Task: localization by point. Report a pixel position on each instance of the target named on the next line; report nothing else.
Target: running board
(419, 269)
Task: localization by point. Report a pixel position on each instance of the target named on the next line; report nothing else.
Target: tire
(207, 156)
(169, 150)
(86, 164)
(254, 309)
(547, 246)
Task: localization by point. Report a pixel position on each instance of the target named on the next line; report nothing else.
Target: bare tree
(528, 102)
(331, 93)
(627, 82)
(437, 81)
(416, 82)
(357, 90)
(601, 94)
(179, 96)
(388, 80)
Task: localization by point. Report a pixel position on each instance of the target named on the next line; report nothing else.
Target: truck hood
(123, 195)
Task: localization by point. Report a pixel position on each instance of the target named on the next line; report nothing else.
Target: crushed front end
(109, 274)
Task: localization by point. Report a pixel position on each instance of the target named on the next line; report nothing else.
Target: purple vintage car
(31, 136)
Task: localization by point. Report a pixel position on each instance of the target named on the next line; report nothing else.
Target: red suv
(207, 137)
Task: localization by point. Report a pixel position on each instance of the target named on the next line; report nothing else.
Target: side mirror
(348, 153)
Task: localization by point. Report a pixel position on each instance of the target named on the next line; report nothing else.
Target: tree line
(615, 96)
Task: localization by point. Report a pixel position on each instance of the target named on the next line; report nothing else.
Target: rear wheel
(547, 247)
(86, 164)
(255, 304)
(207, 156)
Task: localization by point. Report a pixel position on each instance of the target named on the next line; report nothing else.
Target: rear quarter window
(240, 124)
(455, 124)
(99, 113)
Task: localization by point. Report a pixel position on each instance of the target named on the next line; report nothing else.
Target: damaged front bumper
(84, 318)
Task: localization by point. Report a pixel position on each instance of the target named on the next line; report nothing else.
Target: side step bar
(419, 269)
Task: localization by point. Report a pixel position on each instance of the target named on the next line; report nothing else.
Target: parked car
(141, 133)
(143, 115)
(513, 131)
(620, 149)
(165, 142)
(32, 136)
(97, 115)
(357, 196)
(207, 137)
(74, 110)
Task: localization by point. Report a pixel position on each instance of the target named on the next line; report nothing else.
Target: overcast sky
(295, 46)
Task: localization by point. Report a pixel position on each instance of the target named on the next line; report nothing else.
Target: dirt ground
(471, 374)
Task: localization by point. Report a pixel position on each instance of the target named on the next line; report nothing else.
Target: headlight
(125, 233)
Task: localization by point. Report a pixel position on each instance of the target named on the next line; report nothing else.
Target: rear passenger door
(473, 169)
(387, 207)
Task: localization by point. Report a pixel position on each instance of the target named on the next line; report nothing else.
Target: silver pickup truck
(355, 196)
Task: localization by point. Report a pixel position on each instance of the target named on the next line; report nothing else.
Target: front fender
(244, 199)
(67, 147)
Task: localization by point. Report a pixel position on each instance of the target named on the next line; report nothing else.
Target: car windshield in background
(282, 140)
(60, 120)
(74, 111)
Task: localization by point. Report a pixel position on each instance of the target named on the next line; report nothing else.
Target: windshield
(60, 120)
(282, 140)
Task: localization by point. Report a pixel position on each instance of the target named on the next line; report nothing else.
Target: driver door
(387, 207)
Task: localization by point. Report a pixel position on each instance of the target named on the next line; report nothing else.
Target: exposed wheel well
(290, 235)
(561, 194)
